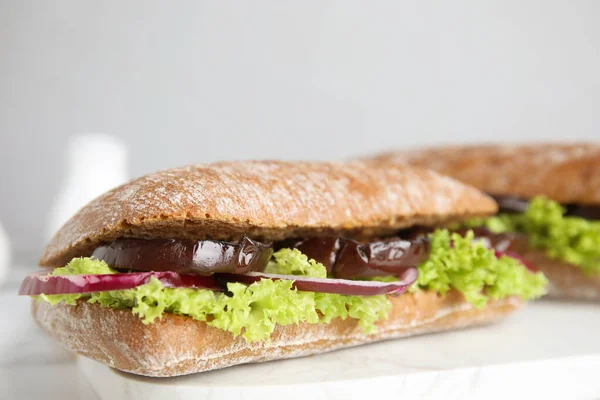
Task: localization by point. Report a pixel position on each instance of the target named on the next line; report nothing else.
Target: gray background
(184, 82)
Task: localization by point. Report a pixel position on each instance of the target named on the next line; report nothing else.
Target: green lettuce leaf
(468, 266)
(574, 240)
(293, 262)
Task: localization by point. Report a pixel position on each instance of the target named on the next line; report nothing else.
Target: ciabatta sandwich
(205, 267)
(549, 199)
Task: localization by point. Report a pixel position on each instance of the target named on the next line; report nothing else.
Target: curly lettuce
(570, 239)
(461, 263)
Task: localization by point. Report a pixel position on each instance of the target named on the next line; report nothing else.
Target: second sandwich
(549, 200)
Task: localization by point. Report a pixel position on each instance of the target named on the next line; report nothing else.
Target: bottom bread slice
(564, 280)
(178, 345)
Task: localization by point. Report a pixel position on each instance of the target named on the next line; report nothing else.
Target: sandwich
(549, 201)
(205, 267)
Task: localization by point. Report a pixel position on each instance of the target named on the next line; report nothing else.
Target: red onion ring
(335, 286)
(38, 283)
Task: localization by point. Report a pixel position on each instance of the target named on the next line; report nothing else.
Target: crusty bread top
(568, 173)
(267, 200)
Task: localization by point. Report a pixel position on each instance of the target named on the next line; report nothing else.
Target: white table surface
(32, 366)
(549, 345)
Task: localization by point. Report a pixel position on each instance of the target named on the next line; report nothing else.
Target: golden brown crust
(567, 173)
(178, 345)
(266, 199)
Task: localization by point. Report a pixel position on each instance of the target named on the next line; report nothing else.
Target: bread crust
(178, 345)
(567, 173)
(269, 200)
(564, 280)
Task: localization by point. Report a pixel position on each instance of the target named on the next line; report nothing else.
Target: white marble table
(32, 366)
(548, 349)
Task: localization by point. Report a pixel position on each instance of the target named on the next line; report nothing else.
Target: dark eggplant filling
(343, 258)
(349, 259)
(202, 257)
(513, 204)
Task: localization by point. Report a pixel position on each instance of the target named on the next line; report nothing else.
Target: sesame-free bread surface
(564, 280)
(178, 345)
(567, 173)
(268, 200)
